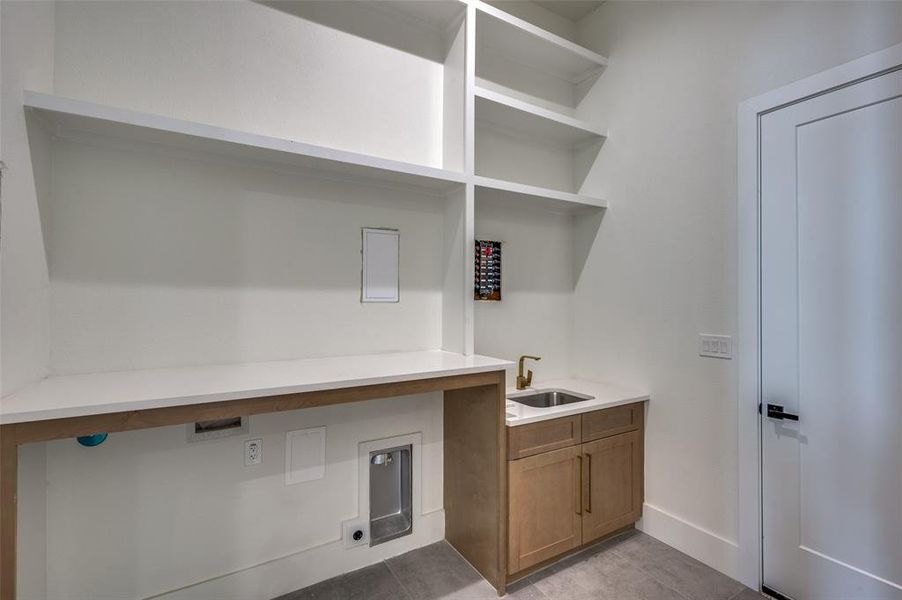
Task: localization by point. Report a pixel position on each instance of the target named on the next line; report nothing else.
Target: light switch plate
(715, 346)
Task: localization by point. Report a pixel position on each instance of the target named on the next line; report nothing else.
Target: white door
(831, 343)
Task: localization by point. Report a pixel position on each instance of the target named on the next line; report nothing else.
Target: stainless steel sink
(549, 398)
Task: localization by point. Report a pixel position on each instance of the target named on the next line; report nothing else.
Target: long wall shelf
(68, 117)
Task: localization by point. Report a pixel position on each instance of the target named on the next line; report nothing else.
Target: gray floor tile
(675, 570)
(438, 571)
(632, 566)
(523, 590)
(375, 582)
(600, 575)
(636, 545)
(749, 594)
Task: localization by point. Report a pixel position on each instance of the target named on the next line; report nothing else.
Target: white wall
(216, 262)
(162, 258)
(27, 62)
(535, 315)
(525, 159)
(159, 260)
(663, 267)
(251, 67)
(147, 512)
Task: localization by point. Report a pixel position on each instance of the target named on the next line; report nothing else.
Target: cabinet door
(545, 507)
(612, 496)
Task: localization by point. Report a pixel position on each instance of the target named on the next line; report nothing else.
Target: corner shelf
(71, 118)
(512, 194)
(528, 44)
(513, 114)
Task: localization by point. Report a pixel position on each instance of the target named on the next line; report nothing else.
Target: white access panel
(381, 265)
(305, 455)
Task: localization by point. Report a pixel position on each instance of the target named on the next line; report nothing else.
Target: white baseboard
(306, 567)
(706, 546)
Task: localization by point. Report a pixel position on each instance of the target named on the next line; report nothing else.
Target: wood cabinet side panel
(475, 478)
(9, 473)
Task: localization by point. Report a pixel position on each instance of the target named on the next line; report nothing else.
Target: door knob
(775, 411)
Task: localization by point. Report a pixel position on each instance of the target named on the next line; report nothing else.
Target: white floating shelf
(527, 44)
(71, 118)
(513, 194)
(509, 113)
(420, 27)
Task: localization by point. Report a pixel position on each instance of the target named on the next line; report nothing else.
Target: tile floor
(632, 566)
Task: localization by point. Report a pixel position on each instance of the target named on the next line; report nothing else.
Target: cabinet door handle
(589, 495)
(579, 494)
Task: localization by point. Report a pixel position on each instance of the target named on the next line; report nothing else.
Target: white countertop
(99, 393)
(605, 395)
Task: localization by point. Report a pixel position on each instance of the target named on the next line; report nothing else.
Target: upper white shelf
(513, 114)
(524, 43)
(420, 27)
(101, 393)
(69, 117)
(512, 194)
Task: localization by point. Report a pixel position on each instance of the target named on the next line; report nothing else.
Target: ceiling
(574, 10)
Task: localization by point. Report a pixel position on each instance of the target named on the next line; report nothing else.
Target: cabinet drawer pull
(589, 494)
(579, 494)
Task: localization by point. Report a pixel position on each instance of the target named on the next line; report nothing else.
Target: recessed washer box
(391, 494)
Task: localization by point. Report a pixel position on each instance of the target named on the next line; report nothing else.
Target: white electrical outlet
(715, 346)
(355, 533)
(253, 452)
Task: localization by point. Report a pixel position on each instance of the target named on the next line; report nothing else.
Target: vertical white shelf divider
(459, 140)
(470, 170)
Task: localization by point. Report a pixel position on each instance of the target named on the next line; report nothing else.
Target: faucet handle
(524, 382)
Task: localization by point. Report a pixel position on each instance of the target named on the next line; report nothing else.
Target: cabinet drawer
(611, 421)
(536, 438)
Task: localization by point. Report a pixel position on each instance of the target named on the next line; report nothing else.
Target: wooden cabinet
(612, 484)
(545, 507)
(572, 481)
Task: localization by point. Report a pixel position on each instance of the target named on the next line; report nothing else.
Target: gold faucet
(524, 382)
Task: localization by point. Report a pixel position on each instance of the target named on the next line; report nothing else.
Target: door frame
(748, 347)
